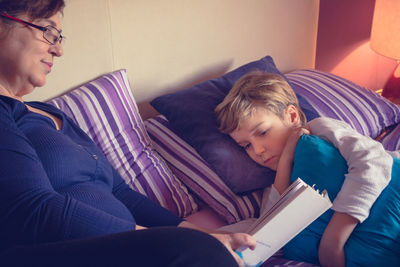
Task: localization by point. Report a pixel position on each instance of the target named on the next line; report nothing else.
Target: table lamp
(385, 40)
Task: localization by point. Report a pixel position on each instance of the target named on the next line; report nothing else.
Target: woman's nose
(57, 49)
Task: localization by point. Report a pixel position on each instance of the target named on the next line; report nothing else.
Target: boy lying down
(261, 113)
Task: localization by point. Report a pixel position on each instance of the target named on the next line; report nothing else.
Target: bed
(180, 160)
(182, 58)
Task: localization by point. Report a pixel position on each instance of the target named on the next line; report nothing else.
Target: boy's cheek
(257, 159)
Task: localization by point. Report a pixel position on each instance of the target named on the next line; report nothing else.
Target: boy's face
(263, 135)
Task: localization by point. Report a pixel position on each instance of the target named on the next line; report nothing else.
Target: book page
(298, 206)
(289, 195)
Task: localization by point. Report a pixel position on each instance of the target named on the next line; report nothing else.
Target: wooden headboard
(169, 45)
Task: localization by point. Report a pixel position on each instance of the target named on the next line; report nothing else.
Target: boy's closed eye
(262, 133)
(246, 146)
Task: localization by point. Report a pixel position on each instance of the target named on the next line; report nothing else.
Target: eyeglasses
(50, 33)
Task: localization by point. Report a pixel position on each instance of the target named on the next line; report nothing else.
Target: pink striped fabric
(106, 110)
(187, 164)
(338, 98)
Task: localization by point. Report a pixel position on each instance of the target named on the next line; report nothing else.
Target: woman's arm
(31, 211)
(146, 212)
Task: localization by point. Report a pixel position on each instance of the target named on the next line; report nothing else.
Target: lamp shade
(385, 33)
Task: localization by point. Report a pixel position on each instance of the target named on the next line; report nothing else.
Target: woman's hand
(232, 241)
(236, 241)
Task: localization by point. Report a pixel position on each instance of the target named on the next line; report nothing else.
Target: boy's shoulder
(327, 123)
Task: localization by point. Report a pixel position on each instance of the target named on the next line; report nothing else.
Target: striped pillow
(106, 110)
(187, 164)
(338, 98)
(391, 141)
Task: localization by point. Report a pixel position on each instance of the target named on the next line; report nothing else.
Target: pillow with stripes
(191, 112)
(106, 110)
(391, 139)
(198, 175)
(338, 98)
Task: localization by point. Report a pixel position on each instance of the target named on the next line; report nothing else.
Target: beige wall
(169, 45)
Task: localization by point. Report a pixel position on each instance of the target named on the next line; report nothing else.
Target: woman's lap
(163, 246)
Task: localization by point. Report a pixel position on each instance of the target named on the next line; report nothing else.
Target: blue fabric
(191, 113)
(57, 185)
(376, 241)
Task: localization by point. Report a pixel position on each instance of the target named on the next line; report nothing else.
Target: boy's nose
(259, 149)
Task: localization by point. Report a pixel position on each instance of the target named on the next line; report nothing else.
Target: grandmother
(60, 205)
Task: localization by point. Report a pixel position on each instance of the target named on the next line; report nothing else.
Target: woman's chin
(38, 82)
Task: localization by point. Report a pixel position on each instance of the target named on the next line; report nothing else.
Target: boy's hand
(291, 143)
(284, 169)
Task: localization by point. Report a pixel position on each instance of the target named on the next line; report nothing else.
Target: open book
(296, 208)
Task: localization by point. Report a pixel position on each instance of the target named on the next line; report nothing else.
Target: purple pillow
(197, 175)
(335, 97)
(391, 140)
(106, 110)
(191, 114)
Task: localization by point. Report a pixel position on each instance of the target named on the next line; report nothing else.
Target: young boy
(261, 113)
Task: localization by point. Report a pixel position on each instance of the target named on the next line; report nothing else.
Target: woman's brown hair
(35, 9)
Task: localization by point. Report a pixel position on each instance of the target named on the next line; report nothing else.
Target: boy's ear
(292, 115)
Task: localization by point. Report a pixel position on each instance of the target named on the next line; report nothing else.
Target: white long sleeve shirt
(369, 168)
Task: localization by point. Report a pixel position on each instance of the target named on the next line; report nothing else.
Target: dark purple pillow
(191, 113)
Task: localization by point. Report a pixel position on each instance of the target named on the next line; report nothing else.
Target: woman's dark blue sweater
(57, 185)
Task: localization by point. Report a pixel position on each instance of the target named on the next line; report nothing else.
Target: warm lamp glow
(385, 33)
(385, 40)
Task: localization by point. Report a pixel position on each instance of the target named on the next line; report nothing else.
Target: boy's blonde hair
(256, 89)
